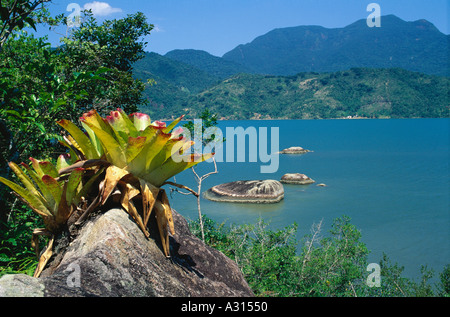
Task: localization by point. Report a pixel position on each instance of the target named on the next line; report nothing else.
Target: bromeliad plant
(139, 157)
(52, 197)
(129, 158)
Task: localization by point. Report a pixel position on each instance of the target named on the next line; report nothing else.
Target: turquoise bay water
(391, 177)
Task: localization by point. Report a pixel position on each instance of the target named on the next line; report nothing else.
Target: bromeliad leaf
(114, 151)
(27, 182)
(140, 120)
(80, 138)
(141, 162)
(113, 175)
(122, 124)
(44, 168)
(173, 124)
(54, 198)
(31, 200)
(171, 168)
(64, 160)
(73, 185)
(135, 145)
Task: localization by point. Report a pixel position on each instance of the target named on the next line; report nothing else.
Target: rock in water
(257, 191)
(111, 257)
(296, 178)
(294, 150)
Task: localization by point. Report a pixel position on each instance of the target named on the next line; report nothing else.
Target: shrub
(332, 266)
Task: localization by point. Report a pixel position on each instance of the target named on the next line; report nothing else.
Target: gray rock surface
(21, 285)
(110, 257)
(256, 191)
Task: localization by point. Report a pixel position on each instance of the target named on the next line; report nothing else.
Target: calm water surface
(391, 177)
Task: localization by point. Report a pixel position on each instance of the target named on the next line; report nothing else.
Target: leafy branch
(14, 14)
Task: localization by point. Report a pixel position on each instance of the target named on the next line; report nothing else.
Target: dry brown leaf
(149, 194)
(44, 257)
(161, 220)
(127, 204)
(168, 210)
(112, 178)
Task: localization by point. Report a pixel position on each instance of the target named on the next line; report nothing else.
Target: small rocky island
(253, 191)
(295, 150)
(296, 178)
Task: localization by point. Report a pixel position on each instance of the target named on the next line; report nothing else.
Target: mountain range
(186, 79)
(416, 46)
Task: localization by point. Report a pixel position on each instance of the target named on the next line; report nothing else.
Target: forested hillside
(213, 65)
(362, 92)
(372, 93)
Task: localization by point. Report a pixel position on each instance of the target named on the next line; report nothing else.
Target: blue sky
(217, 26)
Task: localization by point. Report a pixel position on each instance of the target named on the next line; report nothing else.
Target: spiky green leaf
(73, 184)
(33, 201)
(54, 188)
(171, 168)
(114, 151)
(81, 139)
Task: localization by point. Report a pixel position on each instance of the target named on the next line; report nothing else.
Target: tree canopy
(41, 84)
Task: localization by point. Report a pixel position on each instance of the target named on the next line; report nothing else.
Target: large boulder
(111, 257)
(296, 178)
(256, 191)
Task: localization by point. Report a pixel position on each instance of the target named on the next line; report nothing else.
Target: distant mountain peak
(416, 46)
(214, 65)
(187, 51)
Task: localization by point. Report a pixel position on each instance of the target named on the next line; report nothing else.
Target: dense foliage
(372, 93)
(333, 265)
(40, 85)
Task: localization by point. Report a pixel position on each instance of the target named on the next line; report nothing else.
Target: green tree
(17, 14)
(331, 265)
(444, 285)
(115, 45)
(40, 85)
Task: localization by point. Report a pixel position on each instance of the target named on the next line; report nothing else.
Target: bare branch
(316, 229)
(199, 181)
(182, 187)
(211, 173)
